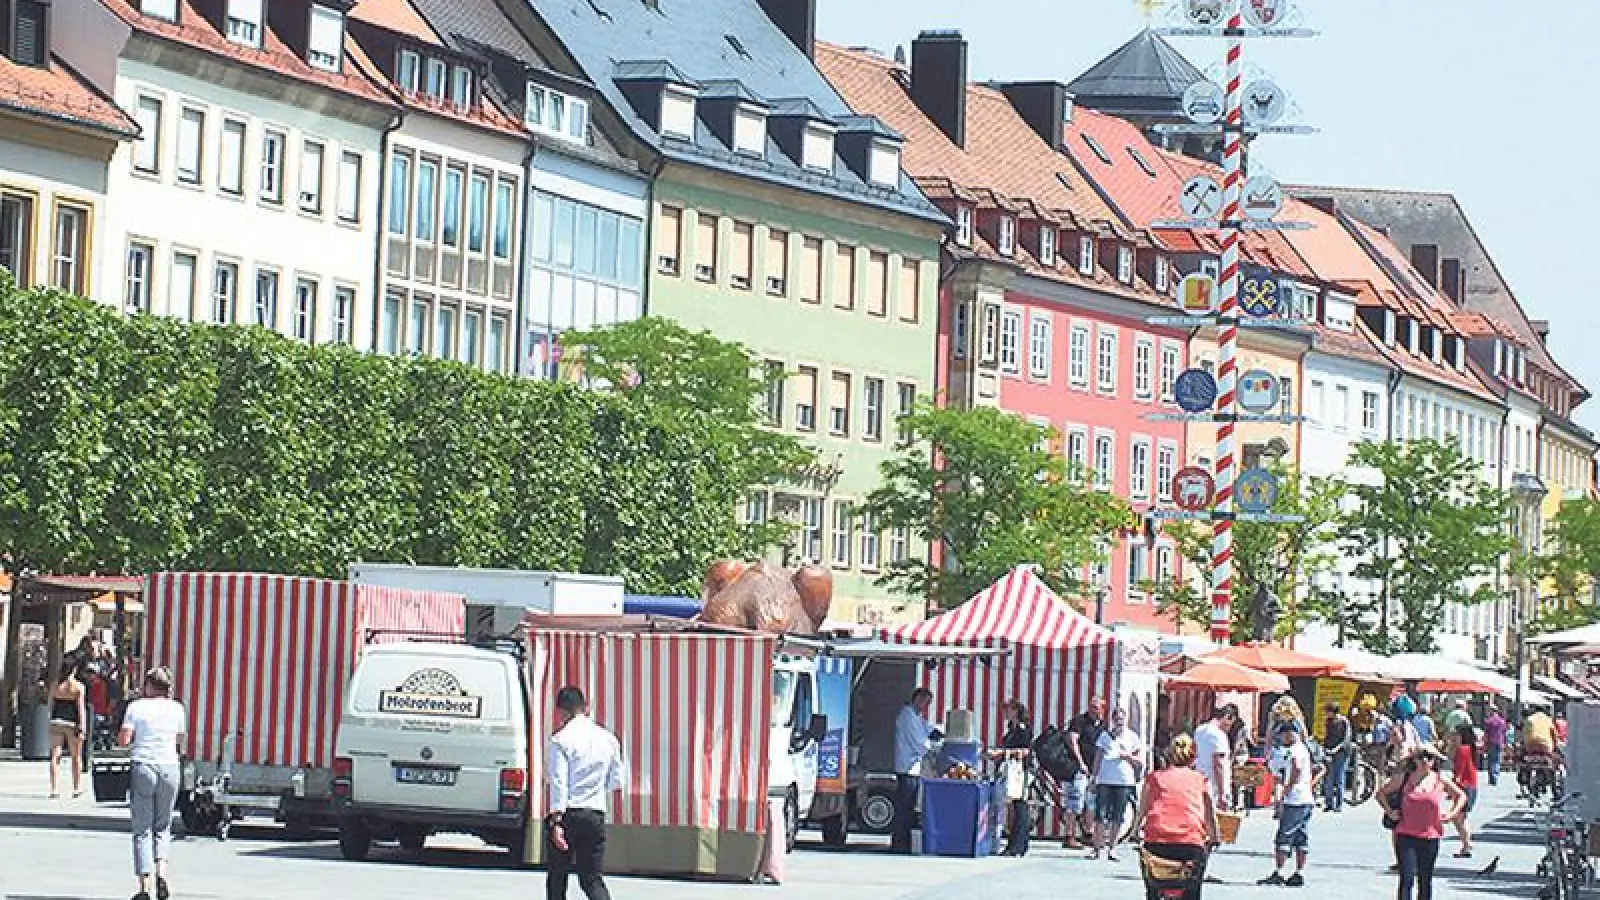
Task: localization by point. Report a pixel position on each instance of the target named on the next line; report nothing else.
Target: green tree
(982, 485)
(1571, 557)
(1426, 530)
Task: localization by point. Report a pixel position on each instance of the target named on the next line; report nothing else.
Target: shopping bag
(1016, 778)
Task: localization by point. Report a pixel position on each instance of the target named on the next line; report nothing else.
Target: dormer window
(438, 72)
(461, 87)
(1436, 340)
(884, 164)
(1499, 358)
(1389, 335)
(408, 72)
(1125, 264)
(1008, 235)
(816, 147)
(325, 44)
(964, 225)
(166, 10)
(677, 112)
(26, 42)
(1163, 273)
(750, 130)
(1085, 255)
(1047, 246)
(1458, 347)
(1339, 313)
(1413, 337)
(244, 22)
(556, 114)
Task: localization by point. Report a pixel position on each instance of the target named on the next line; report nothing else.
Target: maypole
(1228, 324)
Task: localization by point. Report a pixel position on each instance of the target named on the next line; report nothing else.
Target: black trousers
(586, 849)
(905, 811)
(1019, 828)
(1417, 859)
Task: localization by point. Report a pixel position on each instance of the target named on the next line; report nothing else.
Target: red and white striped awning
(1019, 609)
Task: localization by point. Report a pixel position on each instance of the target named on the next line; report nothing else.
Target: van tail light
(513, 790)
(343, 770)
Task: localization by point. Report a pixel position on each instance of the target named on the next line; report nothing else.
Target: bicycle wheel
(1362, 785)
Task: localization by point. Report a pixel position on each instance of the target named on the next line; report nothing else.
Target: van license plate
(423, 775)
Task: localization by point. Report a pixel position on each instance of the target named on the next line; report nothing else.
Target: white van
(433, 738)
(797, 729)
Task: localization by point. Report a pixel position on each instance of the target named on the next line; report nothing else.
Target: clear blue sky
(1493, 101)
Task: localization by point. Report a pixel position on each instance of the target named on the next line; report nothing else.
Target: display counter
(961, 817)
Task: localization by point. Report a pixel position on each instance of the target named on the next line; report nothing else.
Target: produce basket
(1228, 826)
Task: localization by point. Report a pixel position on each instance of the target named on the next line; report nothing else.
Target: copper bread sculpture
(765, 597)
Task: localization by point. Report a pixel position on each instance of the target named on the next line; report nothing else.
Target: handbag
(1016, 778)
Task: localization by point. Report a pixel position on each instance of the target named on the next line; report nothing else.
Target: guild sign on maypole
(1261, 107)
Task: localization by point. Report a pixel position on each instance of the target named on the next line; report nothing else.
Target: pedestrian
(1494, 743)
(153, 728)
(1457, 717)
(912, 736)
(1214, 753)
(1120, 755)
(69, 721)
(1295, 804)
(1465, 773)
(1420, 801)
(1338, 745)
(1422, 721)
(1177, 817)
(1015, 751)
(584, 767)
(1083, 739)
(1403, 736)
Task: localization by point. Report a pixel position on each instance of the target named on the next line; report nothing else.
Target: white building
(250, 196)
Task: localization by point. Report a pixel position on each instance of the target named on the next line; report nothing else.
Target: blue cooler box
(961, 818)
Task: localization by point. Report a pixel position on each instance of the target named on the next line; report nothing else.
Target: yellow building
(1281, 353)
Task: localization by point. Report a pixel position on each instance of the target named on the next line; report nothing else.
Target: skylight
(737, 45)
(1143, 163)
(1098, 150)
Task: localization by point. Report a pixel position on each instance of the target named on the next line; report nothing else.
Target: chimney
(1541, 327)
(1044, 105)
(939, 81)
(1450, 280)
(797, 19)
(1425, 259)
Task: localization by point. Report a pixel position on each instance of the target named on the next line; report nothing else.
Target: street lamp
(1528, 493)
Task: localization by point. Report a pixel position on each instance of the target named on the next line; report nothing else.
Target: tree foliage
(137, 444)
(1427, 528)
(1571, 557)
(982, 485)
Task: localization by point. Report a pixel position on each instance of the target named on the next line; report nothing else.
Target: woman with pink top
(1426, 800)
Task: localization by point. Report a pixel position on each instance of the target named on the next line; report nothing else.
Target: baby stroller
(1171, 879)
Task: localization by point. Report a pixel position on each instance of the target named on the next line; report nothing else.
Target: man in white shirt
(912, 735)
(584, 766)
(1213, 753)
(1296, 803)
(1120, 757)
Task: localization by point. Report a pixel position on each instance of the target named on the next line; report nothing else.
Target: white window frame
(1078, 352)
(1075, 446)
(871, 550)
(1008, 234)
(899, 544)
(138, 277)
(1103, 458)
(963, 225)
(1163, 274)
(1047, 245)
(872, 413)
(1166, 468)
(436, 78)
(189, 166)
(842, 552)
(1171, 360)
(1144, 361)
(1010, 341)
(265, 314)
(344, 314)
(274, 163)
(166, 10)
(320, 53)
(960, 326)
(246, 22)
(313, 160)
(811, 530)
(1085, 255)
(224, 292)
(180, 298)
(1371, 412)
(408, 71)
(1139, 465)
(230, 156)
(349, 206)
(305, 310)
(1105, 360)
(1125, 264)
(146, 156)
(461, 91)
(989, 335)
(1040, 345)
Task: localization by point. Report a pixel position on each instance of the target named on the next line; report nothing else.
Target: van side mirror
(819, 728)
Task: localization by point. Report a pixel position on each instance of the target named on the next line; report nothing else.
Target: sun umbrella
(1272, 658)
(1454, 686)
(1221, 675)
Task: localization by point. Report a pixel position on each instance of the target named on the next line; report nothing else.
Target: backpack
(1051, 750)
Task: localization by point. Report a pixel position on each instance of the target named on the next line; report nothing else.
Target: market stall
(1199, 689)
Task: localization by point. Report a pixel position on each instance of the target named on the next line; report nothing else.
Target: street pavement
(76, 850)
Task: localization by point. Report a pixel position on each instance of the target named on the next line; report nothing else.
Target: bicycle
(1566, 864)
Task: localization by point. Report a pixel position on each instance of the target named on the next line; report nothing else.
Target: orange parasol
(1272, 658)
(1222, 675)
(1454, 686)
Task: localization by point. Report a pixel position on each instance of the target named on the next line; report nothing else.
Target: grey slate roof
(1145, 69)
(711, 40)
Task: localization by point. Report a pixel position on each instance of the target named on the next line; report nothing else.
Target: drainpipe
(519, 305)
(382, 224)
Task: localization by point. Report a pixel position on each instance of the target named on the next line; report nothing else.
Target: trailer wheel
(412, 840)
(877, 812)
(355, 839)
(836, 831)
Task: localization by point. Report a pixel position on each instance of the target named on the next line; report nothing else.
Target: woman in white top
(153, 727)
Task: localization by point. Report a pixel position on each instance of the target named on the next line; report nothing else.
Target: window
(776, 263)
(560, 115)
(669, 236)
(495, 355)
(408, 72)
(1163, 273)
(811, 529)
(311, 177)
(350, 187)
(741, 261)
(1166, 459)
(399, 194)
(872, 408)
(869, 542)
(191, 136)
(272, 153)
(390, 326)
(964, 225)
(1143, 361)
(29, 43)
(899, 544)
(1125, 264)
(68, 258)
(1010, 341)
(305, 310)
(417, 328)
(1315, 398)
(844, 524)
(1105, 365)
(461, 87)
(478, 214)
(160, 9)
(427, 199)
(1078, 356)
(1039, 341)
(811, 270)
(1008, 235)
(471, 336)
(1163, 573)
(230, 158)
(910, 291)
(147, 149)
(444, 336)
(136, 293)
(1139, 470)
(1169, 370)
(906, 404)
(705, 248)
(344, 310)
(1138, 568)
(224, 292)
(677, 113)
(505, 206)
(1078, 448)
(244, 21)
(877, 297)
(325, 45)
(959, 328)
(16, 237)
(1104, 459)
(805, 399)
(181, 286)
(816, 147)
(266, 306)
(1085, 255)
(844, 278)
(435, 73)
(755, 508)
(1047, 245)
(1341, 407)
(450, 214)
(839, 405)
(750, 131)
(772, 408)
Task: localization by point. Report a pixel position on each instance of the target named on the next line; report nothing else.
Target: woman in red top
(1426, 800)
(1466, 778)
(1176, 814)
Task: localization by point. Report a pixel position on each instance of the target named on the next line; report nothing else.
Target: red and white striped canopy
(1019, 610)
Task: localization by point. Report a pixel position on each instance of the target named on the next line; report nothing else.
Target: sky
(1492, 101)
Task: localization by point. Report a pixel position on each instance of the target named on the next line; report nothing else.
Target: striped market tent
(1057, 660)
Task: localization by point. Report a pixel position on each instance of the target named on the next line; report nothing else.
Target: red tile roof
(1264, 248)
(193, 29)
(57, 92)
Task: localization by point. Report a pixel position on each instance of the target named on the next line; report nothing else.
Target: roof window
(737, 45)
(325, 45)
(244, 22)
(26, 43)
(677, 112)
(553, 113)
(816, 147)
(1143, 163)
(1098, 150)
(160, 9)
